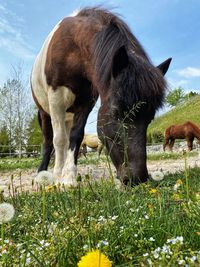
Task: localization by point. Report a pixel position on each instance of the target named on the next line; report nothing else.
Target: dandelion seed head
(157, 176)
(7, 212)
(44, 178)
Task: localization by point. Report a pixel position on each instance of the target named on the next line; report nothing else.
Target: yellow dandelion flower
(94, 259)
(179, 181)
(153, 191)
(176, 196)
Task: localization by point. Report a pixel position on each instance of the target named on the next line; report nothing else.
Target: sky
(165, 28)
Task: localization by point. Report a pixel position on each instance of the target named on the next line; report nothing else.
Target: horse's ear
(120, 61)
(163, 67)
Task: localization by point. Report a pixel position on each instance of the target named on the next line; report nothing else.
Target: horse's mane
(149, 85)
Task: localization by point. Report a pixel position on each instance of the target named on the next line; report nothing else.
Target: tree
(175, 96)
(4, 140)
(33, 133)
(15, 109)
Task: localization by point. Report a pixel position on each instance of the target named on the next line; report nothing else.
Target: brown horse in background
(91, 141)
(187, 130)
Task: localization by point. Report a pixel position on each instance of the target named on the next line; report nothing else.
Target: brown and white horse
(85, 56)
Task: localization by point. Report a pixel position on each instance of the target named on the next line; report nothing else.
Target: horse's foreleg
(171, 144)
(76, 137)
(46, 127)
(57, 106)
(166, 143)
(190, 143)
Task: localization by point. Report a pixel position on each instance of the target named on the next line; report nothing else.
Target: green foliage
(190, 95)
(33, 133)
(189, 110)
(155, 137)
(170, 155)
(4, 140)
(8, 164)
(150, 223)
(175, 96)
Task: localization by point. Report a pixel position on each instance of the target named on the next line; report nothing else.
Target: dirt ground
(100, 171)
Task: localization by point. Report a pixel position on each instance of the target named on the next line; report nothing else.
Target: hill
(189, 110)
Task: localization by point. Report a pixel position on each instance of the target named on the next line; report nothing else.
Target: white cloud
(189, 72)
(11, 37)
(176, 83)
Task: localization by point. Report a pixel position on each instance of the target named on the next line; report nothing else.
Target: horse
(91, 141)
(89, 55)
(187, 130)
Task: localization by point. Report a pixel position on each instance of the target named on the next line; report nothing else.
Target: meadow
(153, 224)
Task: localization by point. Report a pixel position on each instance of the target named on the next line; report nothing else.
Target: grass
(189, 110)
(9, 164)
(148, 225)
(170, 155)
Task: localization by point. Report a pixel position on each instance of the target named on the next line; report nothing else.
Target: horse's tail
(39, 119)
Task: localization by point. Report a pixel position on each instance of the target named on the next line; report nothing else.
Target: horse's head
(136, 90)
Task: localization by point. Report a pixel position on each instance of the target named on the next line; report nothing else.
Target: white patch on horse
(69, 171)
(38, 77)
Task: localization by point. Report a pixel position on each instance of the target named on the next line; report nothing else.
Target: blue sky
(166, 28)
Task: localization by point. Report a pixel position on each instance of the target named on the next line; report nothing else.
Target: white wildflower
(44, 178)
(176, 186)
(146, 254)
(114, 217)
(85, 247)
(151, 239)
(7, 212)
(181, 262)
(180, 238)
(155, 254)
(102, 243)
(193, 259)
(157, 176)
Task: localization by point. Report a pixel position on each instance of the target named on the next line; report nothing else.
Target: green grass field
(148, 225)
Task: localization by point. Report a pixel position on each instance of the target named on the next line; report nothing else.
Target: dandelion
(153, 191)
(7, 212)
(94, 259)
(157, 176)
(44, 178)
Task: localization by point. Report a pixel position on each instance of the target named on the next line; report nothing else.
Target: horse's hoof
(66, 182)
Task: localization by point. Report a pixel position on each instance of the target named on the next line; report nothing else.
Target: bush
(155, 137)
